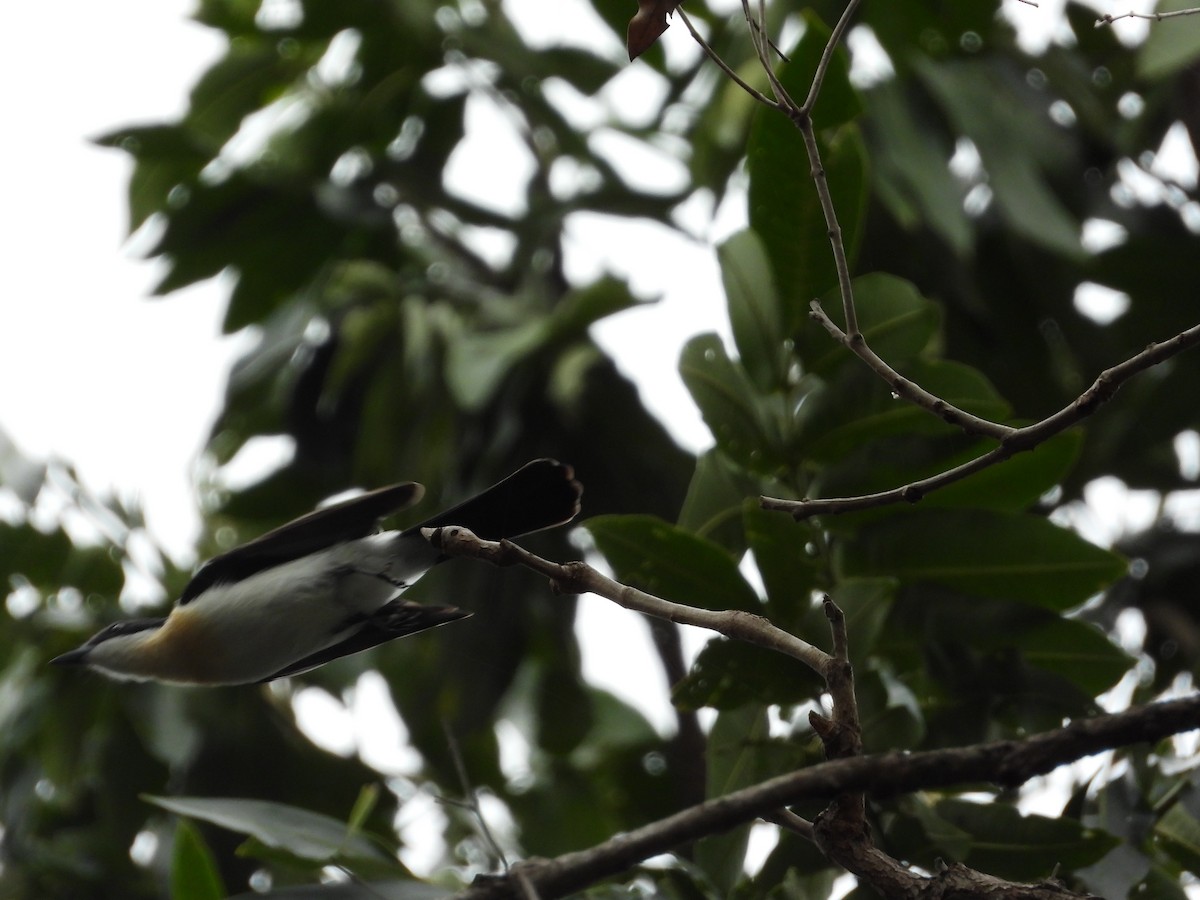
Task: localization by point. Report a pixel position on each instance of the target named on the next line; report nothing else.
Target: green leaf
(754, 310)
(582, 307)
(298, 832)
(1022, 848)
(1078, 651)
(919, 833)
(1178, 833)
(1018, 557)
(1169, 50)
(784, 207)
(478, 362)
(49, 560)
(890, 713)
(240, 83)
(194, 874)
(733, 763)
(866, 604)
(368, 799)
(1014, 485)
(858, 407)
(918, 194)
(671, 563)
(1016, 142)
(729, 404)
(728, 674)
(897, 322)
(713, 506)
(784, 555)
(165, 156)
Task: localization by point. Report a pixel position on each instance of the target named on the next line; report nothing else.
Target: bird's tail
(538, 495)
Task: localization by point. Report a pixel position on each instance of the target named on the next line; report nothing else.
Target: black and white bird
(321, 587)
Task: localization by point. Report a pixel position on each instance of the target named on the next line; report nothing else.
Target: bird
(323, 586)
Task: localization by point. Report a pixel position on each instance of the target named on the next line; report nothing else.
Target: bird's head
(119, 650)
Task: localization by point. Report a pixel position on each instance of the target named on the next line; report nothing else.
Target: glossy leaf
(1024, 558)
(895, 320)
(730, 405)
(733, 763)
(671, 563)
(1023, 848)
(194, 874)
(713, 506)
(786, 560)
(754, 310)
(1077, 651)
(1178, 832)
(866, 603)
(1015, 485)
(729, 674)
(298, 832)
(890, 713)
(1166, 51)
(859, 407)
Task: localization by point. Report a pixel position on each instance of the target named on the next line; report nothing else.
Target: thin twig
(762, 49)
(908, 389)
(580, 578)
(801, 117)
(803, 121)
(835, 38)
(724, 66)
(1019, 440)
(1154, 17)
(471, 803)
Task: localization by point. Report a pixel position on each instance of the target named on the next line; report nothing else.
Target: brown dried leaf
(648, 24)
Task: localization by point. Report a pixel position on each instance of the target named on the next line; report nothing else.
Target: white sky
(90, 371)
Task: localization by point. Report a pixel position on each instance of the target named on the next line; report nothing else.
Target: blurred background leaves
(406, 331)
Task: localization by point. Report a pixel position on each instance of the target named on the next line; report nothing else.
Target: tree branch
(724, 66)
(580, 578)
(906, 388)
(1017, 441)
(1006, 763)
(835, 38)
(1154, 17)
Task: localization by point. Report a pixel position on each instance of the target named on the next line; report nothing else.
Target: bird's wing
(540, 494)
(395, 619)
(345, 521)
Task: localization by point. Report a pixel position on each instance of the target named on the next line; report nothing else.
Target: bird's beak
(71, 658)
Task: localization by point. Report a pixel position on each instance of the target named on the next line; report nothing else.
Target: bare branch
(1007, 763)
(1017, 441)
(724, 66)
(580, 578)
(908, 389)
(1154, 16)
(835, 38)
(763, 48)
(817, 169)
